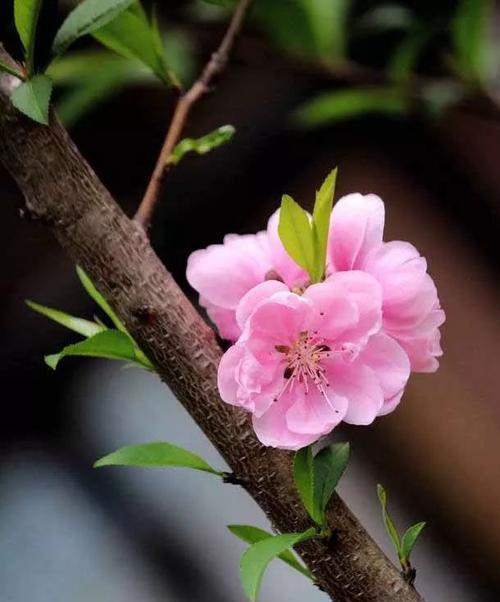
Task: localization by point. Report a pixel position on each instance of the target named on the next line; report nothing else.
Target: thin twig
(213, 68)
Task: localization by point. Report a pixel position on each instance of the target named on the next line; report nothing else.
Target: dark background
(438, 454)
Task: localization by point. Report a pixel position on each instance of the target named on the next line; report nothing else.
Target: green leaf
(328, 23)
(256, 559)
(389, 525)
(109, 344)
(202, 145)
(133, 36)
(33, 97)
(156, 455)
(405, 57)
(88, 285)
(303, 475)
(473, 49)
(26, 13)
(90, 77)
(339, 105)
(329, 466)
(79, 325)
(295, 232)
(87, 17)
(409, 539)
(321, 222)
(252, 535)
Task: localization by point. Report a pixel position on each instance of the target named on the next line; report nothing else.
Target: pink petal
(222, 274)
(409, 292)
(254, 296)
(226, 376)
(356, 227)
(246, 383)
(359, 385)
(312, 413)
(291, 273)
(423, 351)
(272, 430)
(278, 320)
(335, 311)
(391, 404)
(391, 366)
(224, 319)
(366, 294)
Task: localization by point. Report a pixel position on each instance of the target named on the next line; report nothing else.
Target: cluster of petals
(306, 357)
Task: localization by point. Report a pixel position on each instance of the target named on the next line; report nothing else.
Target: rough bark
(62, 192)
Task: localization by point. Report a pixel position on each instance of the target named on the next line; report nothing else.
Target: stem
(11, 71)
(214, 67)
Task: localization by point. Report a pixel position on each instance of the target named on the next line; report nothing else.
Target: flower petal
(226, 376)
(272, 430)
(224, 319)
(424, 349)
(254, 296)
(391, 366)
(335, 311)
(312, 413)
(222, 274)
(356, 227)
(365, 293)
(359, 385)
(279, 319)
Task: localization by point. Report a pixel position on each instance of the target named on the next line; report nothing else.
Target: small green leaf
(473, 50)
(329, 466)
(26, 13)
(79, 325)
(156, 455)
(295, 232)
(409, 539)
(133, 36)
(256, 559)
(389, 525)
(338, 105)
(90, 77)
(252, 535)
(405, 57)
(303, 475)
(33, 97)
(327, 23)
(321, 222)
(109, 344)
(92, 291)
(202, 145)
(87, 17)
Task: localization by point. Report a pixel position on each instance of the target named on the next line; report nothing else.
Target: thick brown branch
(62, 190)
(214, 66)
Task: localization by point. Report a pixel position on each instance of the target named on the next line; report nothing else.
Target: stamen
(304, 363)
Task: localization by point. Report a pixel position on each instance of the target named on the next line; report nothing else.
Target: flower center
(303, 361)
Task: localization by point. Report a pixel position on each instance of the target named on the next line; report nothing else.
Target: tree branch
(63, 192)
(213, 68)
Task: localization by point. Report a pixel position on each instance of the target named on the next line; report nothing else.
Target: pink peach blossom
(412, 314)
(411, 310)
(305, 362)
